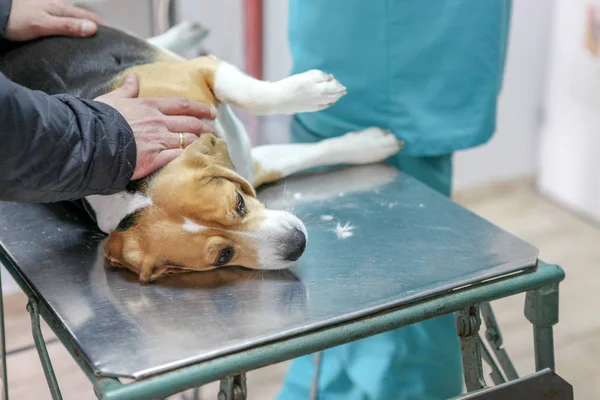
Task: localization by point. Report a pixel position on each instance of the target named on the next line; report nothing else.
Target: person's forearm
(55, 148)
(5, 6)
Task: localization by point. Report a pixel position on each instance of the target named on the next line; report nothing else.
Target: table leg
(314, 391)
(3, 347)
(541, 309)
(468, 322)
(196, 394)
(233, 388)
(38, 338)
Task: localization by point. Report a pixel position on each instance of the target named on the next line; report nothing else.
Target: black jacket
(61, 147)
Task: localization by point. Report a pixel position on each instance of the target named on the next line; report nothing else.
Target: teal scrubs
(430, 71)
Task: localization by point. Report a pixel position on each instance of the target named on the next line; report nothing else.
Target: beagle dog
(200, 212)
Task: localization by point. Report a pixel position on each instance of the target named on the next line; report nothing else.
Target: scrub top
(428, 70)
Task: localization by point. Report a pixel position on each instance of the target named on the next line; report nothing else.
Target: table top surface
(378, 239)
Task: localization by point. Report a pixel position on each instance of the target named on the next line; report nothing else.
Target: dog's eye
(224, 257)
(240, 205)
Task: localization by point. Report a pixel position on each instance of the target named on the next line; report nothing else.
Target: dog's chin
(276, 265)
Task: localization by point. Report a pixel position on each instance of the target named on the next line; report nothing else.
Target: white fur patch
(310, 91)
(238, 143)
(191, 226)
(181, 38)
(275, 227)
(111, 209)
(368, 146)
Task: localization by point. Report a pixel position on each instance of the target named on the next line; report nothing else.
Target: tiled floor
(562, 238)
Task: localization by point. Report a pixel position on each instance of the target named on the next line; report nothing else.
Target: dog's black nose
(296, 243)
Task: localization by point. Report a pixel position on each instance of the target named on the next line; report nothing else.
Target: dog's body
(199, 212)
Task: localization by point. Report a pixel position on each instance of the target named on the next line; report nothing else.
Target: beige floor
(562, 238)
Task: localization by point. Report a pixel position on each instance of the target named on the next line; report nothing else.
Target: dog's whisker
(249, 278)
(284, 192)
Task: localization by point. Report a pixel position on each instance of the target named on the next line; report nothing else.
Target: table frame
(541, 309)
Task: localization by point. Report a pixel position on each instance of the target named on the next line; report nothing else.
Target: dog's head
(203, 216)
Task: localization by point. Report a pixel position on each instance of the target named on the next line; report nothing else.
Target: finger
(188, 124)
(166, 156)
(64, 26)
(183, 106)
(129, 89)
(69, 10)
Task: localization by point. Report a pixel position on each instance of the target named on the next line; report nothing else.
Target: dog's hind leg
(273, 162)
(310, 91)
(183, 37)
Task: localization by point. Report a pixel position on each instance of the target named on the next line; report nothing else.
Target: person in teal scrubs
(430, 72)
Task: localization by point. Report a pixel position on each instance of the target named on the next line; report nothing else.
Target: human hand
(156, 124)
(30, 19)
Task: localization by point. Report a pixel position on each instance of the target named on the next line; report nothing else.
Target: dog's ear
(208, 150)
(217, 171)
(123, 250)
(210, 157)
(126, 246)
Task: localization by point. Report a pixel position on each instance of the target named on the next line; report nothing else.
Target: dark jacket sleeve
(5, 6)
(55, 148)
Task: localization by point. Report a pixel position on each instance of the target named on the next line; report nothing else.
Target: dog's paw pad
(369, 145)
(313, 90)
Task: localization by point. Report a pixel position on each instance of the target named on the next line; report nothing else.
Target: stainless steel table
(383, 250)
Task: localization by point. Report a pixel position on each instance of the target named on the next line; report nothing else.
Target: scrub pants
(417, 362)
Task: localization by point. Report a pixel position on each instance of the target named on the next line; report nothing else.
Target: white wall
(570, 138)
(224, 19)
(512, 152)
(130, 15)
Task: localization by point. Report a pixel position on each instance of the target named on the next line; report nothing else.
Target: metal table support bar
(541, 309)
(468, 322)
(314, 390)
(494, 338)
(496, 375)
(233, 388)
(36, 331)
(3, 347)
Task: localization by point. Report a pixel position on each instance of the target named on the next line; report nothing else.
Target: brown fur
(262, 176)
(193, 79)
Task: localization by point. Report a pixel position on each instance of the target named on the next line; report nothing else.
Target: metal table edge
(173, 382)
(59, 328)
